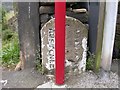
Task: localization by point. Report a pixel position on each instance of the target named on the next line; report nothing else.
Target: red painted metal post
(60, 12)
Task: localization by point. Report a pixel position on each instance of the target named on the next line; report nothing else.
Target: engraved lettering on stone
(51, 49)
(76, 44)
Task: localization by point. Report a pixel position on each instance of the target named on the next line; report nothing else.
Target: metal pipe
(109, 34)
(60, 11)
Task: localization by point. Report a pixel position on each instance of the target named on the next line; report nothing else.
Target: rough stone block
(83, 17)
(46, 10)
(44, 18)
(47, 3)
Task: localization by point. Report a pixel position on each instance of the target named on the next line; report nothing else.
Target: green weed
(90, 61)
(38, 61)
(10, 44)
(10, 52)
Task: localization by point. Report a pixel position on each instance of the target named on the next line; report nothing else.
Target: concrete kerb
(51, 84)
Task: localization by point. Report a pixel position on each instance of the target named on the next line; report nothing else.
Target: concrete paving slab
(28, 78)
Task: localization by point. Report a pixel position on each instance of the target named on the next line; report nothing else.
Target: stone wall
(46, 11)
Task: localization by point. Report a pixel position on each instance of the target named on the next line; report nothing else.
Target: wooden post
(99, 36)
(60, 9)
(28, 30)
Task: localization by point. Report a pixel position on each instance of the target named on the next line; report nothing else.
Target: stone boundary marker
(76, 44)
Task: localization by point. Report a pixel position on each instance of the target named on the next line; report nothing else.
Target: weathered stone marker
(76, 44)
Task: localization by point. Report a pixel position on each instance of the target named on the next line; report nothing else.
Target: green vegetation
(10, 43)
(39, 67)
(10, 50)
(90, 61)
(38, 61)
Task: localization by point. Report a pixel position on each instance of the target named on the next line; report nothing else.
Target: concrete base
(104, 75)
(51, 84)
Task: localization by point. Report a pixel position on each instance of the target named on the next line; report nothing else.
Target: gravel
(91, 80)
